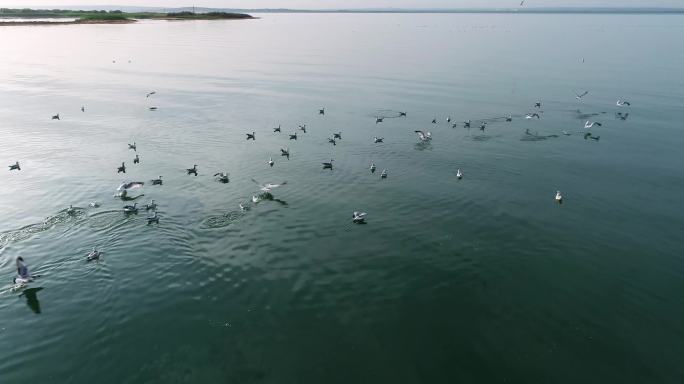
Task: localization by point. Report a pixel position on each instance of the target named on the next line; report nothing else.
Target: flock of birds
(358, 217)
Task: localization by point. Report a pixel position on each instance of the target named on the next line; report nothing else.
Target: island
(54, 16)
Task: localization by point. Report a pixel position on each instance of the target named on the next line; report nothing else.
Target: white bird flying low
(589, 124)
(424, 136)
(268, 186)
(579, 96)
(359, 217)
(130, 185)
(621, 103)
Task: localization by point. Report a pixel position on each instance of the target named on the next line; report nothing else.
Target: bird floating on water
(153, 108)
(588, 135)
(372, 167)
(559, 197)
(277, 129)
(136, 160)
(70, 210)
(332, 141)
(538, 104)
(15, 166)
(509, 118)
(93, 255)
(337, 135)
(270, 161)
(483, 125)
(459, 174)
(379, 119)
(151, 206)
(321, 111)
(531, 115)
(589, 124)
(221, 177)
(157, 181)
(328, 165)
(131, 208)
(402, 114)
(621, 103)
(448, 119)
(153, 219)
(378, 139)
(383, 175)
(268, 187)
(359, 217)
(56, 117)
(466, 124)
(424, 136)
(192, 170)
(122, 168)
(133, 146)
(434, 121)
(293, 136)
(250, 136)
(302, 128)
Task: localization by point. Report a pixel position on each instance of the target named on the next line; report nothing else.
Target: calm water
(485, 279)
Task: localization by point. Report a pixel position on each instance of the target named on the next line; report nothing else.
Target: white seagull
(588, 124)
(621, 103)
(359, 217)
(559, 197)
(459, 174)
(268, 186)
(424, 136)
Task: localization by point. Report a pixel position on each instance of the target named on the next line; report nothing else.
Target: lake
(482, 279)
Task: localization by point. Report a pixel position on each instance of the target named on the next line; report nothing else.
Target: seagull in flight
(621, 103)
(579, 96)
(277, 129)
(222, 177)
(378, 139)
(379, 119)
(424, 136)
(537, 104)
(531, 115)
(359, 217)
(268, 186)
(151, 93)
(15, 166)
(250, 136)
(588, 124)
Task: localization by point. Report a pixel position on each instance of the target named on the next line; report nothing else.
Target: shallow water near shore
(483, 279)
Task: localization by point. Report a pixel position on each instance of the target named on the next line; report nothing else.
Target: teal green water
(483, 279)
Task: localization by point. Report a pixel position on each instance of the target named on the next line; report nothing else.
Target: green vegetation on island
(85, 17)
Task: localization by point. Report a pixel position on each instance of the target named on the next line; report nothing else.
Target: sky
(335, 4)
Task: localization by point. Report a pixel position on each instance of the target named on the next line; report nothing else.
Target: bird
(448, 119)
(94, 204)
(589, 136)
(579, 96)
(268, 187)
(402, 114)
(588, 124)
(337, 135)
(459, 174)
(221, 177)
(424, 136)
(82, 109)
(531, 115)
(559, 197)
(131, 208)
(383, 175)
(153, 219)
(321, 111)
(466, 124)
(15, 166)
(379, 119)
(622, 116)
(277, 129)
(255, 199)
(359, 217)
(192, 170)
(538, 104)
(327, 165)
(122, 168)
(621, 103)
(302, 128)
(378, 139)
(152, 108)
(151, 93)
(136, 160)
(56, 117)
(270, 161)
(285, 152)
(332, 141)
(372, 167)
(151, 206)
(93, 255)
(133, 146)
(157, 181)
(454, 125)
(509, 118)
(250, 136)
(70, 210)
(293, 136)
(434, 121)
(522, 3)
(483, 125)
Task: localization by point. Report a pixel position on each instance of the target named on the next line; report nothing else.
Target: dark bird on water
(15, 166)
(509, 118)
(136, 160)
(332, 141)
(328, 165)
(250, 136)
(293, 136)
(151, 93)
(133, 146)
(285, 152)
(192, 170)
(531, 115)
(82, 109)
(122, 168)
(153, 219)
(466, 124)
(277, 129)
(434, 121)
(303, 128)
(55, 117)
(337, 135)
(157, 181)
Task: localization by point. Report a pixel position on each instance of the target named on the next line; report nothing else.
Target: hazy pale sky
(321, 4)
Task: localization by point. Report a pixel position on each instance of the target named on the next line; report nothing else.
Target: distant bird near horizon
(589, 124)
(434, 121)
(221, 177)
(270, 161)
(579, 96)
(483, 125)
(337, 135)
(157, 181)
(82, 109)
(293, 136)
(466, 124)
(332, 141)
(302, 128)
(136, 160)
(328, 165)
(531, 115)
(538, 104)
(402, 114)
(509, 118)
(379, 119)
